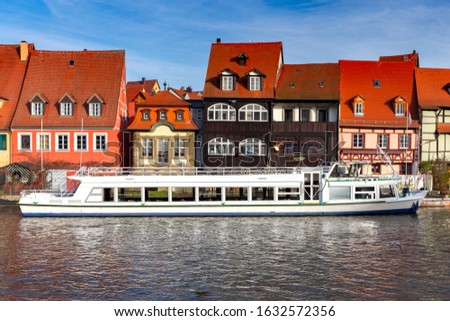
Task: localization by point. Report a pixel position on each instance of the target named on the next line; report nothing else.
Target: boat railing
(174, 171)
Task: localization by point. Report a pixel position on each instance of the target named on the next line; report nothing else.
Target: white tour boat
(333, 190)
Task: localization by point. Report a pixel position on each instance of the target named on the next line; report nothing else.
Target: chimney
(218, 40)
(143, 81)
(23, 51)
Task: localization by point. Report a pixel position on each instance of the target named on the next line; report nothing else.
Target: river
(226, 258)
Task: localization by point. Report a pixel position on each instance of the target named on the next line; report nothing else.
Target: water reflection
(295, 258)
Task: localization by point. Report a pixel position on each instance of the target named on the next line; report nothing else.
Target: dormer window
(180, 115)
(95, 104)
(242, 59)
(162, 115)
(227, 80)
(400, 106)
(447, 88)
(145, 115)
(358, 106)
(255, 80)
(66, 105)
(37, 105)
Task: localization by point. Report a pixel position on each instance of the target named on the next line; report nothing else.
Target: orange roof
(81, 74)
(433, 86)
(309, 82)
(443, 128)
(188, 94)
(144, 86)
(12, 73)
(265, 57)
(414, 56)
(163, 100)
(379, 84)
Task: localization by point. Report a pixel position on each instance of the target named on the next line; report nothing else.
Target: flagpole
(81, 145)
(41, 144)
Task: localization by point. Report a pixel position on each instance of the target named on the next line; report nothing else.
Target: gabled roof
(187, 94)
(393, 79)
(80, 73)
(432, 87)
(169, 102)
(309, 82)
(149, 87)
(12, 73)
(266, 57)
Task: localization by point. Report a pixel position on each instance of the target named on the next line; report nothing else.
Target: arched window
(221, 112)
(252, 147)
(220, 146)
(253, 112)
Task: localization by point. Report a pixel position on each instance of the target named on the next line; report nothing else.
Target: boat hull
(400, 206)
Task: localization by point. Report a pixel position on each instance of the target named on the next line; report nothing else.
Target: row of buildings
(75, 108)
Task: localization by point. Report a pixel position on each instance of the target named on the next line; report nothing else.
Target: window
(62, 142)
(100, 142)
(358, 140)
(162, 115)
(290, 148)
(66, 109)
(37, 108)
(199, 114)
(146, 115)
(376, 83)
(288, 115)
(305, 115)
(387, 191)
(359, 109)
(24, 143)
(400, 108)
(405, 140)
(252, 147)
(221, 112)
(180, 115)
(43, 142)
(254, 113)
(227, 83)
(220, 146)
(312, 148)
(95, 109)
(163, 150)
(3, 142)
(180, 147)
(255, 83)
(147, 147)
(81, 142)
(365, 192)
(322, 115)
(383, 140)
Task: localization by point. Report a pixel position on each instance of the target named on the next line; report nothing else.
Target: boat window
(129, 194)
(156, 194)
(262, 194)
(288, 193)
(210, 193)
(365, 192)
(340, 193)
(236, 193)
(387, 191)
(96, 195)
(181, 194)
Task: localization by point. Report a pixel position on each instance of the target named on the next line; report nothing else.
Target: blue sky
(170, 40)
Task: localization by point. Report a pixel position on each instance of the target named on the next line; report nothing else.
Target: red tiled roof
(395, 79)
(309, 82)
(163, 100)
(414, 56)
(188, 94)
(78, 73)
(143, 86)
(12, 72)
(432, 84)
(266, 57)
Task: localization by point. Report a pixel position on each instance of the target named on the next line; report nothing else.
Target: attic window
(242, 59)
(447, 87)
(66, 104)
(321, 84)
(400, 106)
(37, 105)
(227, 80)
(292, 85)
(255, 79)
(376, 83)
(358, 106)
(71, 63)
(145, 115)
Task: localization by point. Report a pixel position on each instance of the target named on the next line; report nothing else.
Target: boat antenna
(387, 159)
